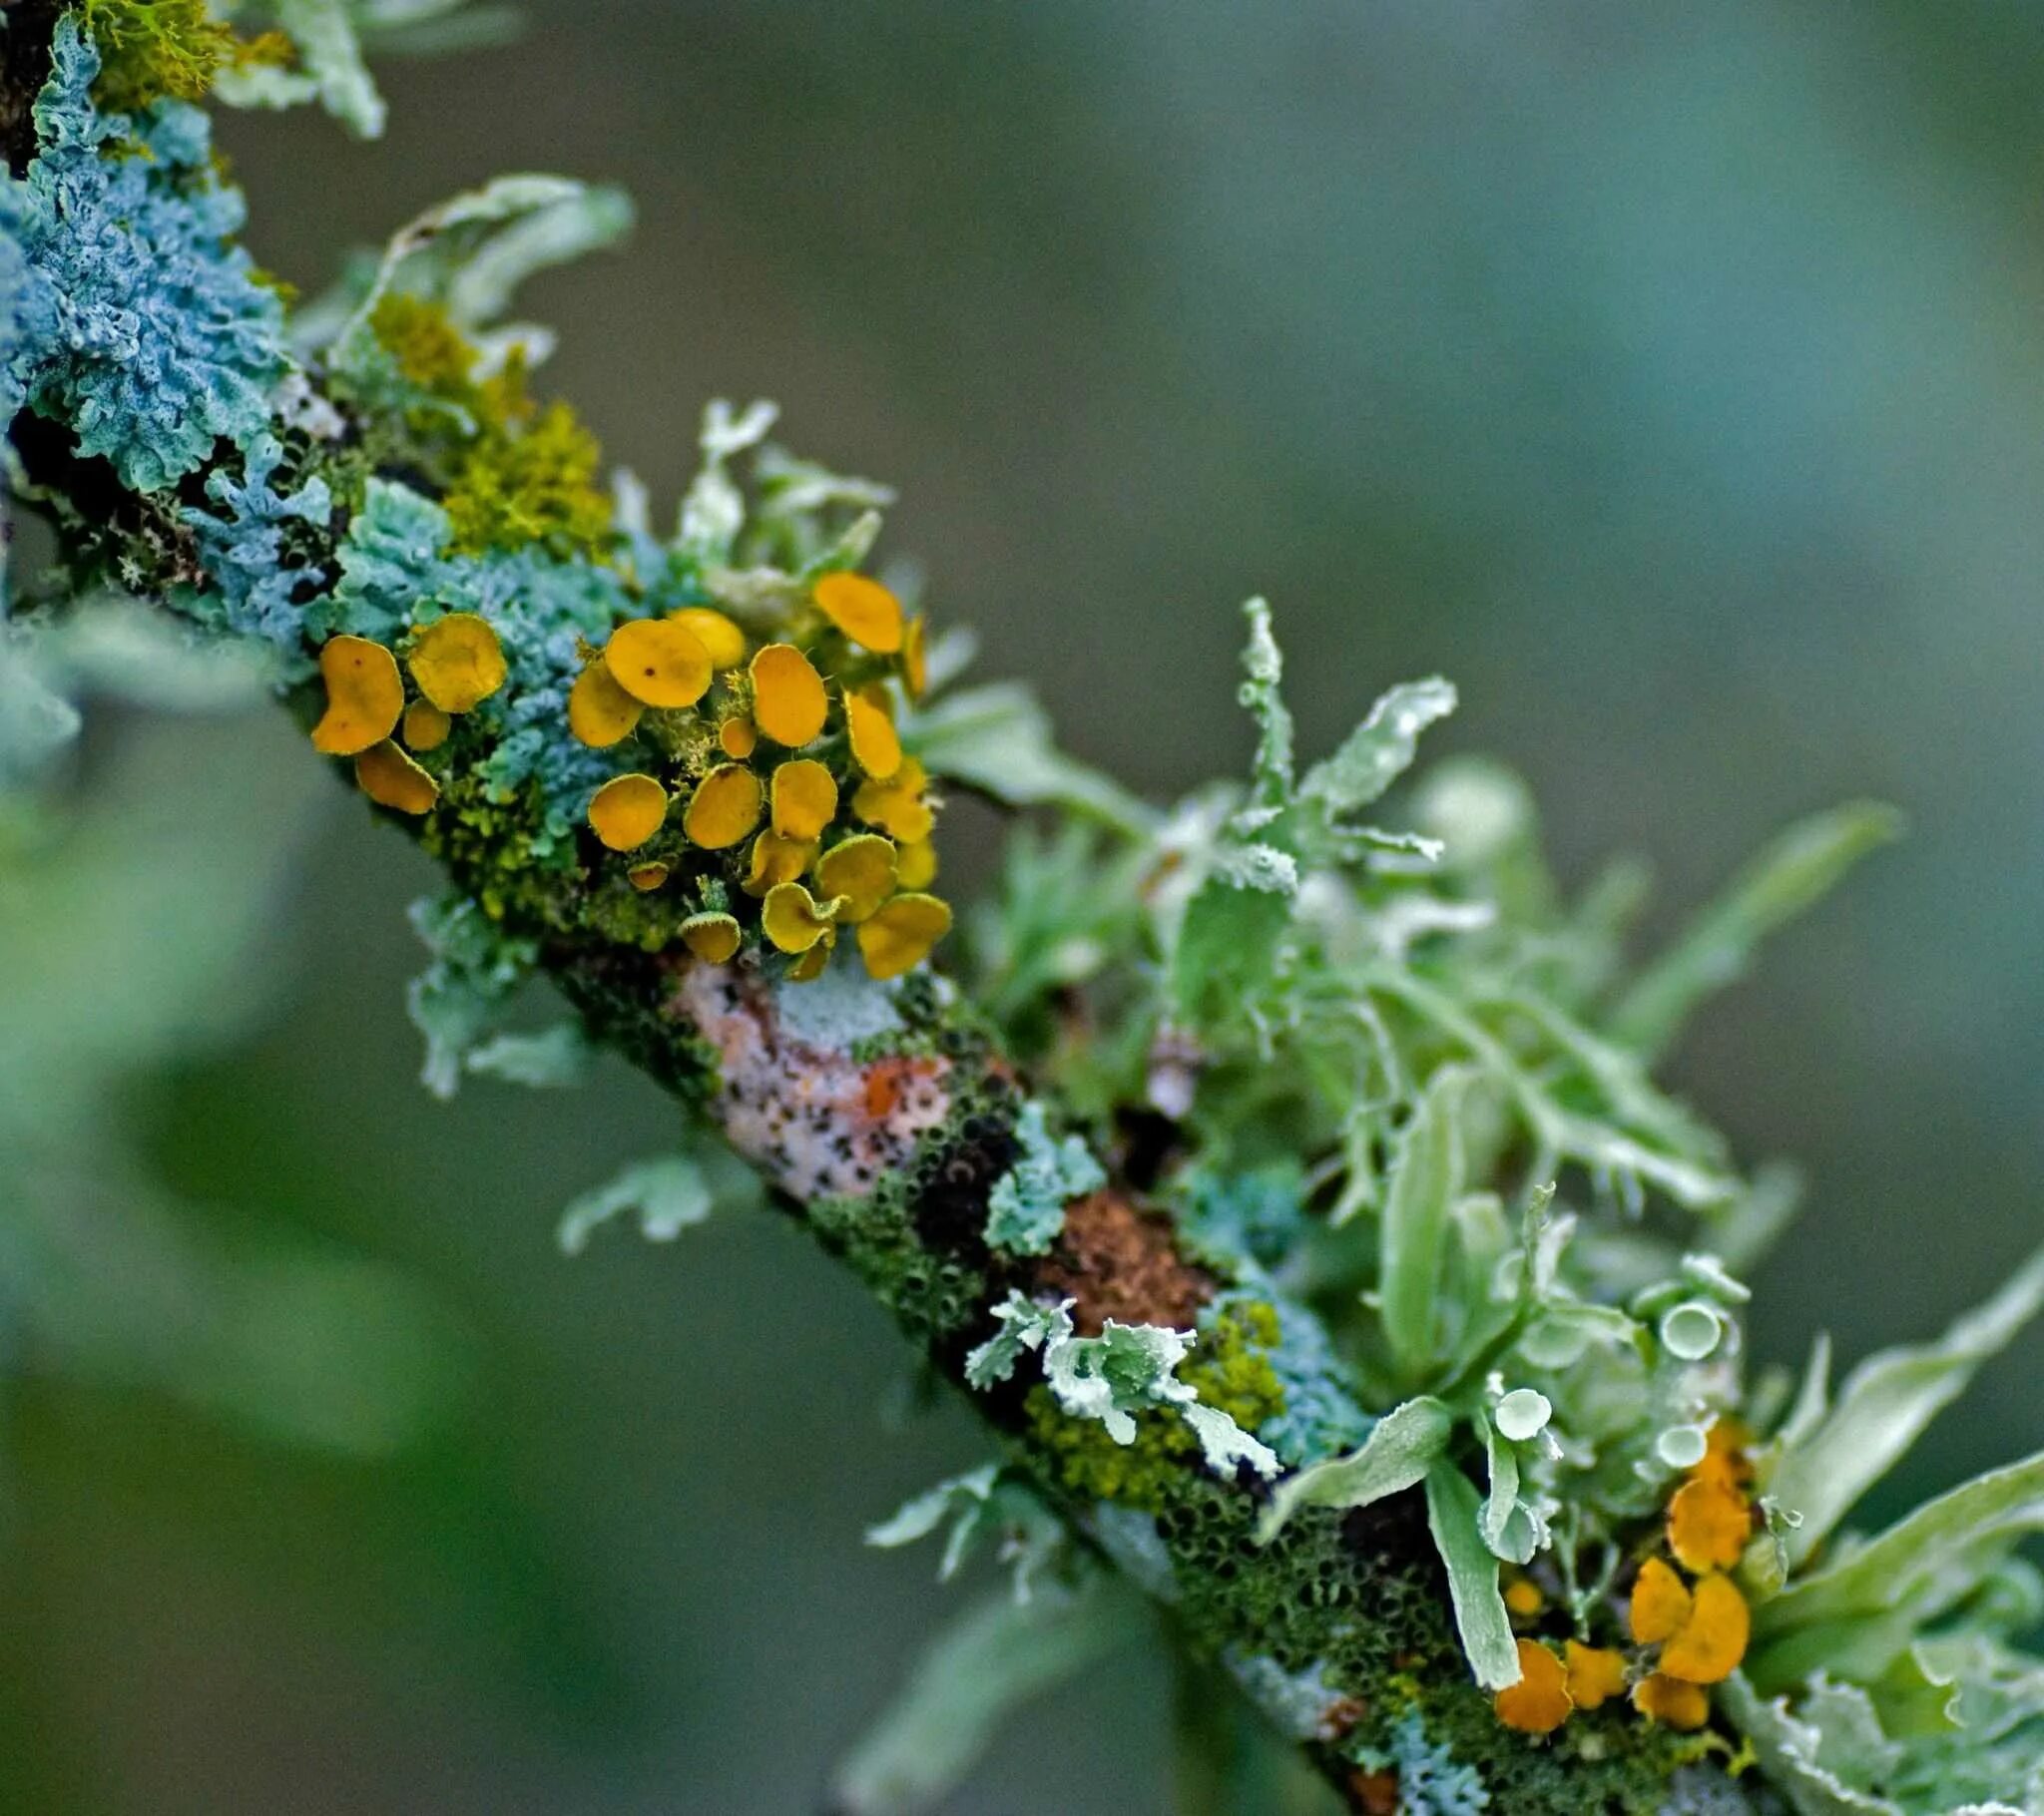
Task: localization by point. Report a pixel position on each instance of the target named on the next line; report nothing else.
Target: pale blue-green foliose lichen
(140, 325)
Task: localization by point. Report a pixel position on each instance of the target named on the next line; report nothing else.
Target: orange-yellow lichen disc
(788, 702)
(1711, 1644)
(391, 779)
(647, 876)
(1539, 1703)
(805, 799)
(778, 860)
(724, 808)
(737, 738)
(659, 661)
(1660, 1603)
(364, 696)
(457, 662)
(1524, 1598)
(915, 661)
(792, 918)
(862, 608)
(869, 720)
(425, 725)
(1708, 1523)
(1669, 1699)
(916, 865)
(1725, 1459)
(896, 805)
(627, 810)
(600, 712)
(900, 935)
(714, 937)
(811, 965)
(1595, 1673)
(861, 870)
(723, 642)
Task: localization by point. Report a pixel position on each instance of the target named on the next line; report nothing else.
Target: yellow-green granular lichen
(1231, 1370)
(150, 50)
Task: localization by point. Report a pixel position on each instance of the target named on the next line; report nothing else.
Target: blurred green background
(1672, 378)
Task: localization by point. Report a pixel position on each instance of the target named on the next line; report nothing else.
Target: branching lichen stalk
(1288, 1191)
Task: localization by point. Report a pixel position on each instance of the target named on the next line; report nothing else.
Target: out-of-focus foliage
(139, 923)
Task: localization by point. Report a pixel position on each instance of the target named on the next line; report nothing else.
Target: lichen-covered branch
(1288, 1190)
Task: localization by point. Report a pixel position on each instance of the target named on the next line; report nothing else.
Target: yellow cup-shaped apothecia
(776, 860)
(600, 712)
(724, 808)
(915, 661)
(1672, 1701)
(1595, 1675)
(862, 608)
(899, 936)
(794, 919)
(1539, 1703)
(805, 799)
(896, 805)
(646, 877)
(811, 965)
(627, 810)
(875, 746)
(457, 662)
(714, 937)
(658, 661)
(364, 696)
(738, 739)
(916, 865)
(391, 779)
(425, 725)
(1713, 1638)
(723, 642)
(861, 870)
(788, 702)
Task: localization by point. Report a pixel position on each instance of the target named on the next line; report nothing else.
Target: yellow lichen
(658, 661)
(457, 662)
(1595, 1673)
(1708, 1523)
(916, 864)
(896, 805)
(805, 799)
(811, 965)
(1660, 1603)
(627, 810)
(714, 937)
(425, 725)
(724, 808)
(1713, 1638)
(391, 779)
(364, 696)
(899, 936)
(1524, 1598)
(723, 642)
(862, 608)
(916, 666)
(794, 919)
(869, 723)
(861, 870)
(421, 338)
(776, 860)
(600, 712)
(788, 702)
(1539, 1703)
(645, 877)
(737, 738)
(1670, 1701)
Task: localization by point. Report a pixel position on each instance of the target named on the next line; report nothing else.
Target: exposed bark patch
(1119, 1261)
(815, 1121)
